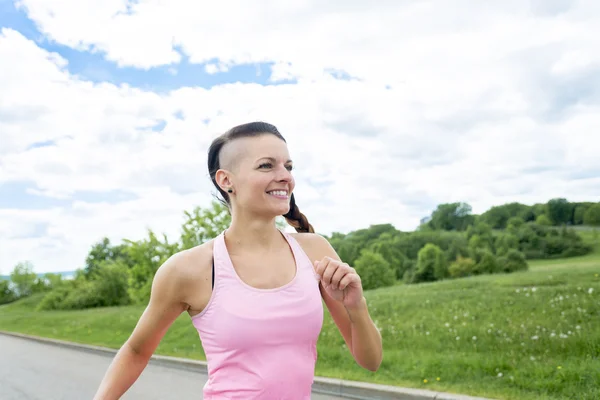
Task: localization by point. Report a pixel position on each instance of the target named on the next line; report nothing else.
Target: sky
(107, 110)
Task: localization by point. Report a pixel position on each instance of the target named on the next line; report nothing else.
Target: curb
(338, 387)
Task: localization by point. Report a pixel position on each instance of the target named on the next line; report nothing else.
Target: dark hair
(253, 129)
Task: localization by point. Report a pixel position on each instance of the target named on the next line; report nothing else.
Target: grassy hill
(527, 335)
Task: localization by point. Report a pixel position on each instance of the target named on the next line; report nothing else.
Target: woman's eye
(289, 167)
(265, 165)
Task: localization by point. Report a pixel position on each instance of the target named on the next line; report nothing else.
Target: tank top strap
(223, 267)
(304, 262)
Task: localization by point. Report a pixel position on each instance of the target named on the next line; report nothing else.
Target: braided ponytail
(296, 219)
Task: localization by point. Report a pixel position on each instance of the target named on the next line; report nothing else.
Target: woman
(254, 292)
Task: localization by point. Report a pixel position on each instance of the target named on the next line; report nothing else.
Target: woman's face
(260, 174)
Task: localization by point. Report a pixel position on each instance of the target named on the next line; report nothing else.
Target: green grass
(528, 335)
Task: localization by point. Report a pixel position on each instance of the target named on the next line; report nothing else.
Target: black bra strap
(213, 273)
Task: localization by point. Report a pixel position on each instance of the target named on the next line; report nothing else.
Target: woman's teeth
(281, 193)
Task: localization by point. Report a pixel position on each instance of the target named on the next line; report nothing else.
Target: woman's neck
(253, 234)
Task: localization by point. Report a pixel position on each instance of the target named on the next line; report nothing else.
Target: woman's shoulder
(190, 265)
(313, 244)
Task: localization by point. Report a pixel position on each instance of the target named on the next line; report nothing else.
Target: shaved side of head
(232, 153)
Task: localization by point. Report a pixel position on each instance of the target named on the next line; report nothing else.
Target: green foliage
(451, 242)
(203, 224)
(486, 263)
(387, 247)
(559, 211)
(498, 216)
(24, 279)
(579, 212)
(462, 267)
(431, 264)
(451, 217)
(544, 220)
(100, 253)
(506, 241)
(7, 295)
(147, 256)
(541, 241)
(374, 270)
(514, 223)
(110, 288)
(513, 261)
(592, 215)
(349, 246)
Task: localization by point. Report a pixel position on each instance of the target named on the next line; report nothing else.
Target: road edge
(348, 389)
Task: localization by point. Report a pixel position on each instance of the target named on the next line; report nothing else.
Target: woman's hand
(340, 281)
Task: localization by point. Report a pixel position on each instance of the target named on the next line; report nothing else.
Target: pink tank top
(260, 343)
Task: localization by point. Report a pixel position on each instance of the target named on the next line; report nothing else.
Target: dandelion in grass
(425, 381)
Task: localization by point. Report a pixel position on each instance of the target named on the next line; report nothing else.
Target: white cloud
(479, 108)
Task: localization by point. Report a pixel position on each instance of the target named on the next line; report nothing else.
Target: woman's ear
(223, 179)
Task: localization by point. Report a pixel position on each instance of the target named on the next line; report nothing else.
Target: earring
(230, 190)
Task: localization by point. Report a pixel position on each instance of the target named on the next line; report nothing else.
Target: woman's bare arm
(165, 305)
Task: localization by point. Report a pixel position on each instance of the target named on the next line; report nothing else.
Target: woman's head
(251, 168)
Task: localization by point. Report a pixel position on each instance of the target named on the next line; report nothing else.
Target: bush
(462, 267)
(486, 263)
(431, 264)
(387, 249)
(543, 220)
(513, 261)
(374, 270)
(6, 293)
(504, 242)
(109, 288)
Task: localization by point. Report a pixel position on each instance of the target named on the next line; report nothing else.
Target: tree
(560, 211)
(579, 212)
(543, 220)
(431, 264)
(514, 223)
(23, 278)
(203, 224)
(7, 295)
(147, 256)
(100, 253)
(462, 267)
(496, 217)
(452, 216)
(388, 248)
(512, 262)
(374, 270)
(592, 215)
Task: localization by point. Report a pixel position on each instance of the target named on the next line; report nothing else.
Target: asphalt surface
(36, 371)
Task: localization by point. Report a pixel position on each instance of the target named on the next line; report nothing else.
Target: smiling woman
(254, 293)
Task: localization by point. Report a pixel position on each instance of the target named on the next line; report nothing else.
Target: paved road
(35, 371)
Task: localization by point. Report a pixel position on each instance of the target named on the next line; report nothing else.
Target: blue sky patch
(95, 68)
(110, 196)
(46, 143)
(15, 195)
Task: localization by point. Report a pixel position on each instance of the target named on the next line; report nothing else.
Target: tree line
(451, 243)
